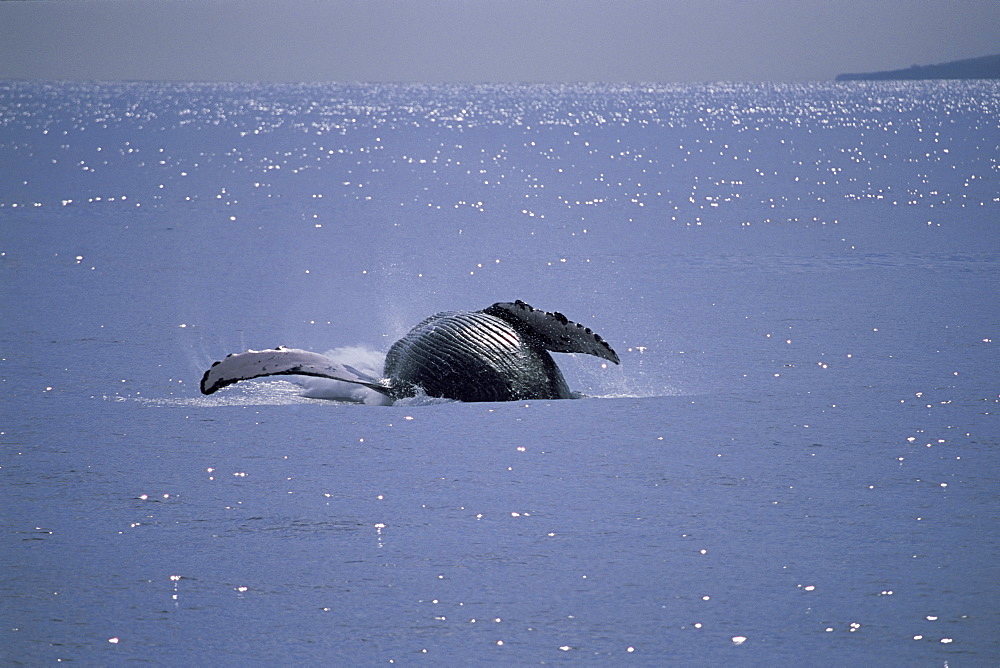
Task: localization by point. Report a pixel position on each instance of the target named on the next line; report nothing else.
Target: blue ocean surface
(796, 462)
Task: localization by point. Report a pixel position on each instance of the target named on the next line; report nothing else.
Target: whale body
(500, 353)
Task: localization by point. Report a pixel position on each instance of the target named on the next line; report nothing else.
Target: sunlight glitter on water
(854, 224)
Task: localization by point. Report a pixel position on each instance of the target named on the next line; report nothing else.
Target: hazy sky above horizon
(486, 40)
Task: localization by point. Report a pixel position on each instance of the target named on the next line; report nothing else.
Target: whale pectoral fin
(283, 362)
(554, 331)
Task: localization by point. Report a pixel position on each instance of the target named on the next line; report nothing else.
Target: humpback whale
(500, 353)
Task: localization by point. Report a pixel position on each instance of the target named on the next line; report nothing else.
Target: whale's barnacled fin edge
(553, 331)
(285, 362)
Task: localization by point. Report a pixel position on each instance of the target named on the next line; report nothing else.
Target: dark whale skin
(473, 356)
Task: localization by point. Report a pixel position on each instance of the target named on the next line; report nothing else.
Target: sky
(486, 40)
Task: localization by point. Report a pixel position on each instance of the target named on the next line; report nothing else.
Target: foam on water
(368, 362)
(252, 393)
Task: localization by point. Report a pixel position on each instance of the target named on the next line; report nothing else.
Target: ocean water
(795, 464)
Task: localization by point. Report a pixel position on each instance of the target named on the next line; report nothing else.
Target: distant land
(984, 67)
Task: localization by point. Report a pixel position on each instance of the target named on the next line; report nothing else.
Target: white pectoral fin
(283, 362)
